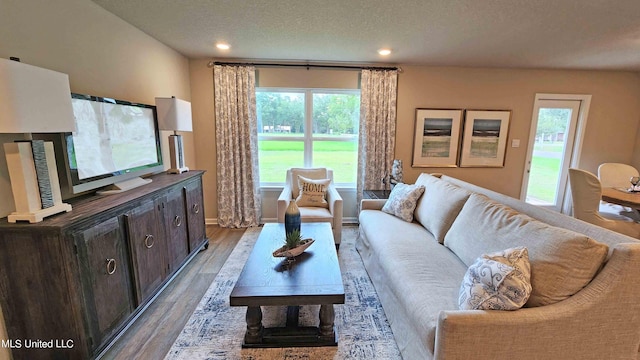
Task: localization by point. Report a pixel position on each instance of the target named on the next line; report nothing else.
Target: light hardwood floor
(153, 333)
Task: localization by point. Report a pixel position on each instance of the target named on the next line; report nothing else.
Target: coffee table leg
(254, 325)
(327, 317)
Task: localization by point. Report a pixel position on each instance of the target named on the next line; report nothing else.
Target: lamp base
(178, 170)
(177, 155)
(34, 182)
(39, 215)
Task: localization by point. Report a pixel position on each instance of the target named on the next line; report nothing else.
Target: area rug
(215, 330)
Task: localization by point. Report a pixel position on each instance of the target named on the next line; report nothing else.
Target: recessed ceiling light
(223, 46)
(384, 52)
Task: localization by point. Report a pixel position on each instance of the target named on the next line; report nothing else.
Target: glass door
(551, 145)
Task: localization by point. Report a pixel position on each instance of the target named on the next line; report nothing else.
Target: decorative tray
(304, 244)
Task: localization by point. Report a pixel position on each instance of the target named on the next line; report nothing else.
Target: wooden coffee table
(312, 279)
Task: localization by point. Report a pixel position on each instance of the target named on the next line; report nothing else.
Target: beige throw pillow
(313, 193)
(309, 173)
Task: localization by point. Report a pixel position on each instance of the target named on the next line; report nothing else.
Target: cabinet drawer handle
(149, 240)
(196, 208)
(111, 266)
(177, 221)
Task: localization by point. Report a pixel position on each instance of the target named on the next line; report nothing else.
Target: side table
(376, 194)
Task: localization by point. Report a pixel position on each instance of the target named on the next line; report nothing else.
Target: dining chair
(617, 175)
(586, 192)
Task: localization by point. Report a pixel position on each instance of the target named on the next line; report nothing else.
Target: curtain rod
(351, 67)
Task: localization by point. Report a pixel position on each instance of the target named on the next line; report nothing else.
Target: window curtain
(237, 146)
(377, 128)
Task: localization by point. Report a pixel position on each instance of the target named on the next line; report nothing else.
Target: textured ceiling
(563, 34)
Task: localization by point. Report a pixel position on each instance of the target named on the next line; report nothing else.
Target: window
(308, 128)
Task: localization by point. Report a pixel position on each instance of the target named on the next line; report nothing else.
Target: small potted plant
(294, 245)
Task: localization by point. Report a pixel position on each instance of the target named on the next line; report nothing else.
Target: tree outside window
(308, 128)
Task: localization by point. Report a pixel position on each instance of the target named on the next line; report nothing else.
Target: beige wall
(204, 132)
(102, 54)
(611, 128)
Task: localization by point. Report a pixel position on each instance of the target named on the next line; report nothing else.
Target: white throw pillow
(498, 281)
(313, 193)
(402, 201)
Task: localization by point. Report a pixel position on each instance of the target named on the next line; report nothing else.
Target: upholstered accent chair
(332, 213)
(586, 192)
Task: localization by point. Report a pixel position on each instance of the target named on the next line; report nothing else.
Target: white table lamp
(34, 100)
(174, 115)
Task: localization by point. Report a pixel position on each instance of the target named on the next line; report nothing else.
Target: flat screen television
(115, 143)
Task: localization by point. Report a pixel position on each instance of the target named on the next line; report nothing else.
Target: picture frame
(484, 140)
(436, 137)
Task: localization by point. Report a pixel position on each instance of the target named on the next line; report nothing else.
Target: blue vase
(292, 218)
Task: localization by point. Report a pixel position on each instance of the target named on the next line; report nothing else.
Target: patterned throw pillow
(498, 281)
(313, 193)
(402, 201)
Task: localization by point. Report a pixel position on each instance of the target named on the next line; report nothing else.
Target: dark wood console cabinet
(76, 280)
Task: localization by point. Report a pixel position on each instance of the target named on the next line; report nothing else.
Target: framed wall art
(436, 138)
(484, 140)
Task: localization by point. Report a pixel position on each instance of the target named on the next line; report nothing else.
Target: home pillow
(439, 205)
(402, 201)
(562, 261)
(498, 281)
(309, 173)
(312, 193)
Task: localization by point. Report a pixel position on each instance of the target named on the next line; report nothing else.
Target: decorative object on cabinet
(93, 271)
(34, 100)
(175, 115)
(484, 141)
(436, 137)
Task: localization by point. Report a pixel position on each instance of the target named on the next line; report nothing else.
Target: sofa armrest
(283, 202)
(598, 322)
(335, 203)
(336, 209)
(372, 204)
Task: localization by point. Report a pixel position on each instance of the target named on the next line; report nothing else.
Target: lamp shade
(173, 114)
(34, 99)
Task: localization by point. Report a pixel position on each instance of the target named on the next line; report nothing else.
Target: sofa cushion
(497, 281)
(402, 201)
(312, 192)
(562, 261)
(439, 205)
(415, 276)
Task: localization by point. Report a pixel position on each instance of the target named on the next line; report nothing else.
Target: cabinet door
(148, 247)
(176, 227)
(104, 266)
(195, 214)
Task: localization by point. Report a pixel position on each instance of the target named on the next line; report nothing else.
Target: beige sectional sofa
(585, 280)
